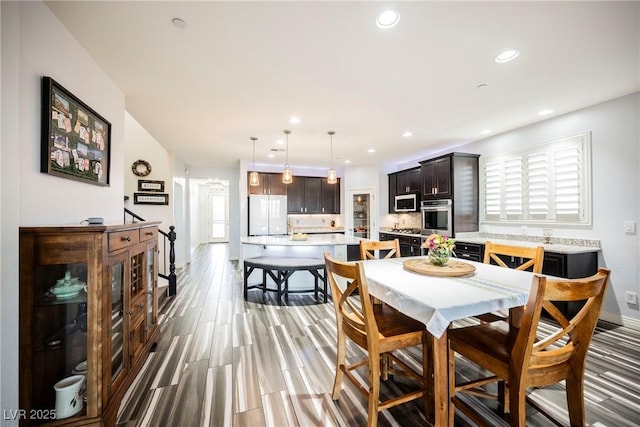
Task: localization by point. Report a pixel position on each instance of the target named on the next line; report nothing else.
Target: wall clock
(141, 168)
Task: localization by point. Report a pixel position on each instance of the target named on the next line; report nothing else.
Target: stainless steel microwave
(406, 203)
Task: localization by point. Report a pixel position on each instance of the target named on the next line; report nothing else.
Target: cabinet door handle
(141, 305)
(149, 233)
(126, 239)
(130, 312)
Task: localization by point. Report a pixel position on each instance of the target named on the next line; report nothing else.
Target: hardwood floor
(223, 361)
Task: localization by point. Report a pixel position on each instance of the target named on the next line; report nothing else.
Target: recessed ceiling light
(294, 120)
(271, 155)
(545, 112)
(507, 55)
(481, 86)
(179, 23)
(485, 132)
(371, 150)
(387, 19)
(280, 142)
(407, 134)
(347, 161)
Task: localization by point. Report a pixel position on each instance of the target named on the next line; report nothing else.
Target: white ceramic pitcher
(69, 396)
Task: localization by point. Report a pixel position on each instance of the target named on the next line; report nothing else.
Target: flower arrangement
(440, 248)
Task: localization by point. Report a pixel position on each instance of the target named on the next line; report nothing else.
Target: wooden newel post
(172, 262)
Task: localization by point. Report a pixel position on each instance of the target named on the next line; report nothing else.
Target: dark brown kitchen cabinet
(269, 183)
(312, 195)
(88, 318)
(330, 197)
(393, 192)
(408, 181)
(403, 182)
(569, 266)
(436, 178)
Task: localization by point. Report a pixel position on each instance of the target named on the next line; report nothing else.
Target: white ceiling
(242, 69)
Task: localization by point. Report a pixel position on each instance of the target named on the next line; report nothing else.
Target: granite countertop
(332, 239)
(557, 245)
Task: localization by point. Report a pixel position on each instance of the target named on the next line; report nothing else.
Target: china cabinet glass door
(58, 362)
(151, 289)
(117, 350)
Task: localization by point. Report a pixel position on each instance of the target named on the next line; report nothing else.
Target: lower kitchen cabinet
(566, 265)
(88, 318)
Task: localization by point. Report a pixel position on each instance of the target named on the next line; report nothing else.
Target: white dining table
(437, 301)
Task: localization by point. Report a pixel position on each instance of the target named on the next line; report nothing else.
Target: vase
(439, 257)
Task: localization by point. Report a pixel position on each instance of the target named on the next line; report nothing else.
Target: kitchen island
(285, 247)
(313, 247)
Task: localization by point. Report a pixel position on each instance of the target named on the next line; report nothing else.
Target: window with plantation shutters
(545, 183)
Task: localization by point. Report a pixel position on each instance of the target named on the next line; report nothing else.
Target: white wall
(140, 145)
(35, 43)
(363, 178)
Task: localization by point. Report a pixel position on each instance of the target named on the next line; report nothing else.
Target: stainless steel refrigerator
(267, 215)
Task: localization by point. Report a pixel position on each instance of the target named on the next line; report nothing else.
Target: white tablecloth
(437, 301)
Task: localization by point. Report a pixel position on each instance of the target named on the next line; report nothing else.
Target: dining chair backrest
(368, 249)
(347, 280)
(528, 356)
(531, 257)
(547, 359)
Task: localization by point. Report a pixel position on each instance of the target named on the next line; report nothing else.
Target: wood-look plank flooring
(223, 361)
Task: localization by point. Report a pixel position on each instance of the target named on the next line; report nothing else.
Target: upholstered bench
(280, 270)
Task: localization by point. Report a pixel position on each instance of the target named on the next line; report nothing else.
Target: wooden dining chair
(386, 248)
(377, 328)
(519, 258)
(524, 357)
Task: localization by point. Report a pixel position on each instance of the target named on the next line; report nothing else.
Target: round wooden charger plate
(451, 269)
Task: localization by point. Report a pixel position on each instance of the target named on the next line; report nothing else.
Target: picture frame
(150, 198)
(75, 140)
(152, 186)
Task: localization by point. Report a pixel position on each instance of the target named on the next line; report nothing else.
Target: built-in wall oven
(437, 217)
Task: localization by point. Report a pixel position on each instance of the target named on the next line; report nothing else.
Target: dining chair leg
(517, 403)
(374, 391)
(425, 375)
(575, 398)
(340, 363)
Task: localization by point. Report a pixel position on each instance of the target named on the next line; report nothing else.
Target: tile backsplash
(316, 221)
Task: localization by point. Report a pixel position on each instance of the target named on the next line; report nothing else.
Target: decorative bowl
(67, 287)
(300, 237)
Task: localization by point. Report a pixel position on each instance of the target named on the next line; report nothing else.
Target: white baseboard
(616, 318)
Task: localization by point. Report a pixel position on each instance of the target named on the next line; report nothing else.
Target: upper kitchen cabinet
(403, 182)
(445, 176)
(270, 183)
(330, 197)
(436, 178)
(312, 195)
(408, 181)
(393, 179)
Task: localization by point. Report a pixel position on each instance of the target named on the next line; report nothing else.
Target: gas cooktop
(406, 230)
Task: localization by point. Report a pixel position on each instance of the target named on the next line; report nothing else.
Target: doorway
(218, 212)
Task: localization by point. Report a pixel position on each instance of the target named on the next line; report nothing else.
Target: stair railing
(169, 257)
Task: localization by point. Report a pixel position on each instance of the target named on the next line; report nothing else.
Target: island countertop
(313, 240)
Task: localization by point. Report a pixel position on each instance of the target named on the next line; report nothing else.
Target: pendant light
(331, 175)
(286, 173)
(254, 179)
